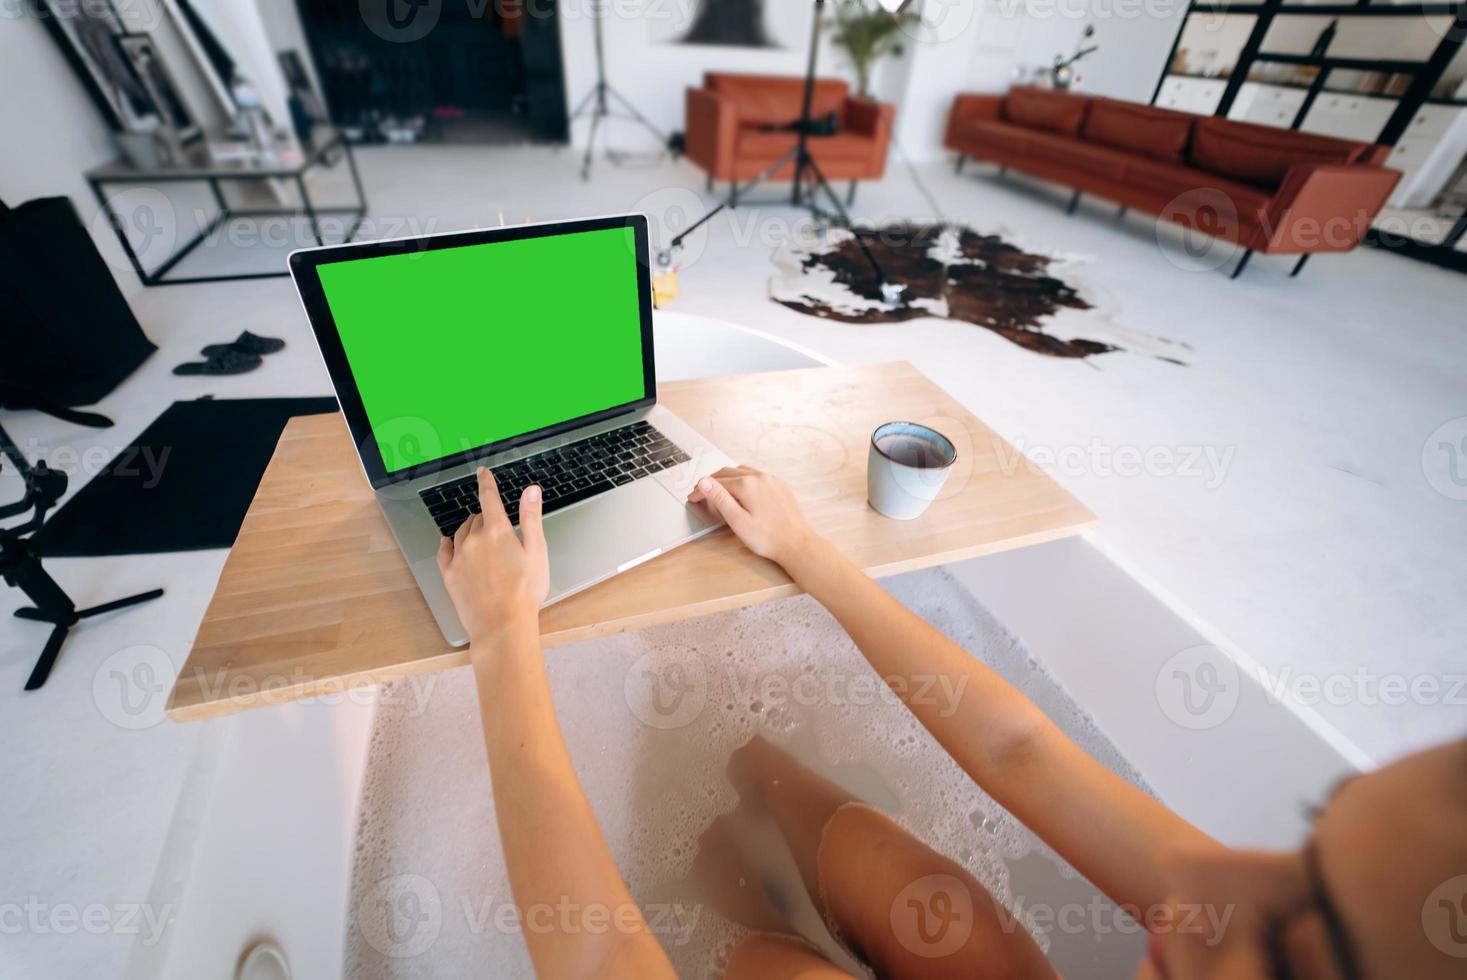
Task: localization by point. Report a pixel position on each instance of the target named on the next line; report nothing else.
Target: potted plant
(867, 35)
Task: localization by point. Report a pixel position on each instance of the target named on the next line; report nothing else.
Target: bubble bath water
(651, 719)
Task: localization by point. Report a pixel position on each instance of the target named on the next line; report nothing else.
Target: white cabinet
(1349, 117)
(1199, 95)
(1428, 154)
(1270, 105)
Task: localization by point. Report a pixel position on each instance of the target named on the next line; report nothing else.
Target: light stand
(20, 565)
(806, 171)
(595, 104)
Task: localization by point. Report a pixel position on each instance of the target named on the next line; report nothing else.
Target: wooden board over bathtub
(316, 600)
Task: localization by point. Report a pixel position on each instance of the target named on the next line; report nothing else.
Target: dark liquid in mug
(913, 451)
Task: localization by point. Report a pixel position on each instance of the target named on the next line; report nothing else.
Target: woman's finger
(464, 530)
(445, 554)
(724, 504)
(489, 503)
(532, 532)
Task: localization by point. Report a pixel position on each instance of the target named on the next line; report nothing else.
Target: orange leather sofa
(734, 127)
(1268, 190)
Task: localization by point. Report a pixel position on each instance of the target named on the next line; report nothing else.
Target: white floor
(1321, 550)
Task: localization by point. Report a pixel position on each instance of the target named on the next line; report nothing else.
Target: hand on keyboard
(496, 580)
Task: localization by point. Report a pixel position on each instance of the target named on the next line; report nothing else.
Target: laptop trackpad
(607, 533)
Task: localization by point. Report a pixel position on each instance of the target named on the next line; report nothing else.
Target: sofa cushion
(998, 135)
(1262, 155)
(1158, 133)
(776, 99)
(1037, 108)
(1075, 153)
(1202, 200)
(765, 144)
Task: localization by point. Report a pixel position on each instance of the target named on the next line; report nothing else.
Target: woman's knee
(911, 912)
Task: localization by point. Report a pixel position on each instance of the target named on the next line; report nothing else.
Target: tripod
(595, 104)
(20, 565)
(807, 174)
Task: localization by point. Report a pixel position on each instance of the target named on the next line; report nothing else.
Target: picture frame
(141, 54)
(85, 33)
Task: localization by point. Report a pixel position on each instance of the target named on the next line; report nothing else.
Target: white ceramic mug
(906, 468)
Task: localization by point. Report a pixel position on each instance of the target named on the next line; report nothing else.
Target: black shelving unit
(1425, 75)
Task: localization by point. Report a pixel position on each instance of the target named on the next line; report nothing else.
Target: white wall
(52, 130)
(962, 45)
(653, 75)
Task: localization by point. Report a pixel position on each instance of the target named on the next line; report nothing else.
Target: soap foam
(428, 876)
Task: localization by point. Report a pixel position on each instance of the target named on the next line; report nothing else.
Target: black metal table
(319, 152)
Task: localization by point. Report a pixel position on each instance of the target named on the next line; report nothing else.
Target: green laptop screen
(455, 348)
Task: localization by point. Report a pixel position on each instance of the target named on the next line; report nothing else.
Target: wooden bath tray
(315, 599)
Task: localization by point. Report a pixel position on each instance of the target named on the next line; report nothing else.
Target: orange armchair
(737, 125)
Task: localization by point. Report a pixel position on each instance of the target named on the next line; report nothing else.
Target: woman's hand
(496, 580)
(761, 510)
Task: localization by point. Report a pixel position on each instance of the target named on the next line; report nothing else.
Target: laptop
(526, 349)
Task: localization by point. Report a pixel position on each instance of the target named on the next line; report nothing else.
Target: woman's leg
(898, 904)
(766, 957)
(725, 880)
(800, 802)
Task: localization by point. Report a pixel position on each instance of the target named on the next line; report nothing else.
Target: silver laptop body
(590, 540)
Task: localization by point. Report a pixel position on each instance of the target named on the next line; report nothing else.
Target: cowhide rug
(952, 272)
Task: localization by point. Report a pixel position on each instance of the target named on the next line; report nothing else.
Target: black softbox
(67, 336)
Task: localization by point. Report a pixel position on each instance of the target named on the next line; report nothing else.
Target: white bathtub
(264, 833)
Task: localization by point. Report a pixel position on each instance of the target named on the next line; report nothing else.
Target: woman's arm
(1109, 830)
(577, 916)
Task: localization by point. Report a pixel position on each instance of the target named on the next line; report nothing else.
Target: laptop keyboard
(566, 475)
